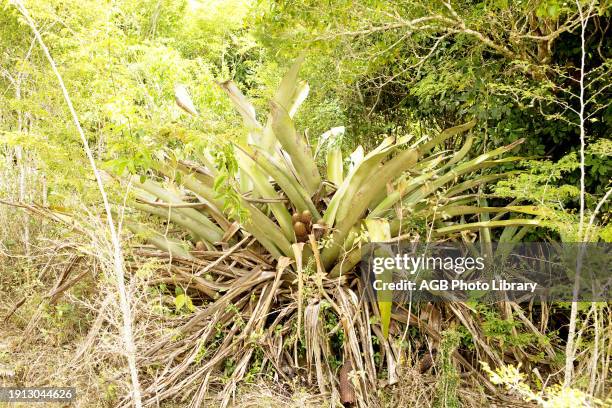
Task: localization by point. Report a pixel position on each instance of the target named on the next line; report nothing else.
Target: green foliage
(182, 302)
(331, 324)
(507, 332)
(225, 183)
(550, 186)
(542, 182)
(380, 72)
(553, 396)
(448, 382)
(120, 62)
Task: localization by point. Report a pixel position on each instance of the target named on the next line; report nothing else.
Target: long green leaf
(201, 186)
(376, 182)
(214, 233)
(259, 225)
(286, 91)
(300, 94)
(290, 94)
(379, 231)
(198, 185)
(346, 263)
(444, 135)
(262, 185)
(158, 240)
(286, 181)
(259, 222)
(198, 230)
(297, 148)
(403, 188)
(465, 149)
(355, 179)
(489, 224)
(454, 210)
(242, 105)
(472, 183)
(335, 166)
(481, 162)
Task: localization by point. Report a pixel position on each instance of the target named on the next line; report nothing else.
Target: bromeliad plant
(277, 235)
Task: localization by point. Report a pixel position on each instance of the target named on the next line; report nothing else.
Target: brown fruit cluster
(303, 226)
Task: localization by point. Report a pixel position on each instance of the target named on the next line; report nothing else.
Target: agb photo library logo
(462, 272)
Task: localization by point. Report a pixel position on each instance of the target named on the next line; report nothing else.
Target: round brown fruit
(300, 229)
(306, 217)
(295, 217)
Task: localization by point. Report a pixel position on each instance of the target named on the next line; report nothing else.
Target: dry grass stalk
(117, 255)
